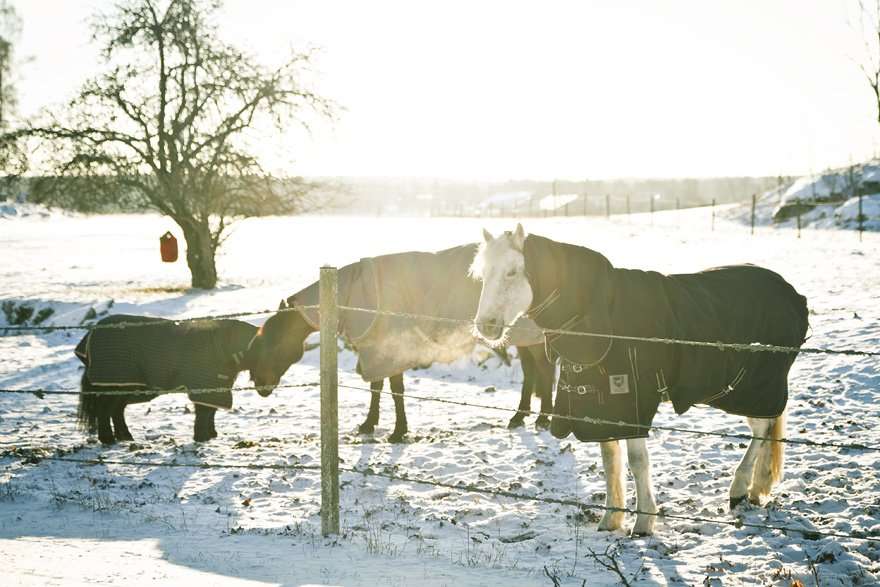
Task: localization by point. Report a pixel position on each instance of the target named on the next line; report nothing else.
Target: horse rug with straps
(619, 383)
(436, 285)
(159, 354)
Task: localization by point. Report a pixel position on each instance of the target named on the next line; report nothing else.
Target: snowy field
(67, 523)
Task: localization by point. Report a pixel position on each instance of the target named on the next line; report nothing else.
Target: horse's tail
(771, 460)
(88, 408)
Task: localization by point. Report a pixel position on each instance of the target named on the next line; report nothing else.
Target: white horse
(507, 293)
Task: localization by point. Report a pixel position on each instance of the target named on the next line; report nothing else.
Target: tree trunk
(200, 254)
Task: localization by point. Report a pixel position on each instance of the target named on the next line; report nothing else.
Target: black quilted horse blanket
(623, 381)
(158, 354)
(431, 284)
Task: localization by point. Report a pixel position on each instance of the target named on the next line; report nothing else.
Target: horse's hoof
(543, 422)
(201, 438)
(125, 437)
(516, 422)
(735, 501)
(611, 521)
(366, 428)
(107, 440)
(396, 437)
(644, 527)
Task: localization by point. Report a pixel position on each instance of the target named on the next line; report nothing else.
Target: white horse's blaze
(506, 293)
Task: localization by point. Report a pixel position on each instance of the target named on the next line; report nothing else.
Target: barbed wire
(585, 419)
(139, 324)
(750, 347)
(463, 488)
(591, 420)
(40, 393)
(719, 345)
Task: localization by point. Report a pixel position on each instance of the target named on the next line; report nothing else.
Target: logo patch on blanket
(618, 384)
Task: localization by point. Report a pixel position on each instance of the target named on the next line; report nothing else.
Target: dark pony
(131, 359)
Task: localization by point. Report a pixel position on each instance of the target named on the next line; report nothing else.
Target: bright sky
(507, 89)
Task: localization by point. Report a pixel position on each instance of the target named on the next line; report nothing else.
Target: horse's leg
(525, 397)
(743, 475)
(118, 416)
(204, 425)
(104, 412)
(546, 373)
(369, 424)
(612, 461)
(640, 465)
(212, 428)
(400, 427)
(770, 461)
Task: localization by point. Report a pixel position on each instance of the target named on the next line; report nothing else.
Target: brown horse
(433, 284)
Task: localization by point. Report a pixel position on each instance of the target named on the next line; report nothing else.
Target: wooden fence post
(329, 312)
(754, 198)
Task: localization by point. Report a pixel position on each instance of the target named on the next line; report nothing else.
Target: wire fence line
(719, 345)
(41, 393)
(750, 347)
(591, 420)
(588, 419)
(462, 487)
(124, 325)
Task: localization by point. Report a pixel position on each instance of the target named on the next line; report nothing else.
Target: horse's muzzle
(264, 386)
(490, 329)
(265, 390)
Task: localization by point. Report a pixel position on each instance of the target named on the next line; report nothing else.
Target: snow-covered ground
(72, 524)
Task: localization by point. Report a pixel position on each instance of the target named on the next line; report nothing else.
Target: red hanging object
(168, 247)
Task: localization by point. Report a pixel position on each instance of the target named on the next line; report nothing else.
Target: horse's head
(277, 345)
(506, 293)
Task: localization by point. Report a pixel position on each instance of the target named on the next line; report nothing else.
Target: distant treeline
(442, 196)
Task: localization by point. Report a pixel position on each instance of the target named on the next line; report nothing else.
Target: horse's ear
(487, 236)
(519, 237)
(282, 305)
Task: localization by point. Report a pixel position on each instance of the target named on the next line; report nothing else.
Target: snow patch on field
(63, 523)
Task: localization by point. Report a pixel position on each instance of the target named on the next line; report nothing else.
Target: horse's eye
(511, 273)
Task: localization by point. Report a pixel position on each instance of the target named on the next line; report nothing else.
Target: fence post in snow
(754, 198)
(861, 218)
(799, 224)
(607, 206)
(329, 312)
(627, 205)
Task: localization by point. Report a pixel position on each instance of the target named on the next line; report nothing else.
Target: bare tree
(10, 28)
(12, 158)
(868, 26)
(170, 124)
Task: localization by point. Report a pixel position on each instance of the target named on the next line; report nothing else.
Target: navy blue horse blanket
(621, 382)
(139, 352)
